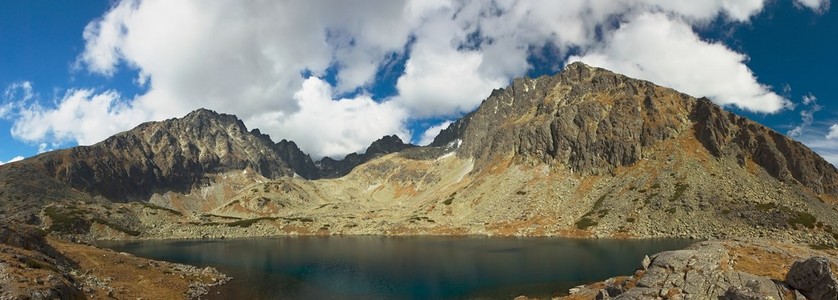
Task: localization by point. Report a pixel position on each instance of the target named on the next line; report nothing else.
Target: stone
(813, 278)
(644, 264)
(741, 293)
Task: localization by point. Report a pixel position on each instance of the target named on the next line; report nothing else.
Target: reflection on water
(373, 267)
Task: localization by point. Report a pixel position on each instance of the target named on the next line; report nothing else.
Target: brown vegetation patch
(498, 165)
(130, 277)
(535, 226)
(758, 261)
(299, 229)
(574, 233)
(446, 230)
(584, 187)
(829, 199)
(408, 190)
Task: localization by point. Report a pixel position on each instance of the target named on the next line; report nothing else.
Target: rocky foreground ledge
(725, 270)
(36, 266)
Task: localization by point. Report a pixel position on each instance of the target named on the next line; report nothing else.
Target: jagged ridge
(593, 121)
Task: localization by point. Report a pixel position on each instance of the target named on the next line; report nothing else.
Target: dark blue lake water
(374, 267)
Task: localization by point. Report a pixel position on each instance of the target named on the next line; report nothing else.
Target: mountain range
(586, 152)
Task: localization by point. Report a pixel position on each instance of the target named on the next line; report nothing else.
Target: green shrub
(248, 222)
(803, 218)
(585, 222)
(66, 220)
(598, 202)
(117, 227)
(448, 201)
(158, 207)
(766, 206)
(680, 188)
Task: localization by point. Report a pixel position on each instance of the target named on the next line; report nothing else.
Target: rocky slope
(756, 269)
(176, 155)
(586, 152)
(593, 121)
(33, 266)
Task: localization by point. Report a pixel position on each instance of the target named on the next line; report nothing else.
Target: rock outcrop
(330, 168)
(172, 155)
(592, 121)
(30, 268)
(721, 270)
(813, 278)
(726, 134)
(175, 155)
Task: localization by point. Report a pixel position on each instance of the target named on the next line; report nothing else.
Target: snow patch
(373, 187)
(446, 155)
(466, 170)
(455, 144)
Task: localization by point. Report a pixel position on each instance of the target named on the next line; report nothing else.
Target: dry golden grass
(757, 261)
(131, 277)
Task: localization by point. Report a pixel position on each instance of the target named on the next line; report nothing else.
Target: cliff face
(727, 135)
(592, 121)
(174, 155)
(170, 155)
(330, 168)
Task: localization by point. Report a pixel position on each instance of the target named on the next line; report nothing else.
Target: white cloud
(15, 95)
(43, 147)
(14, 159)
(819, 6)
(823, 141)
(328, 127)
(246, 58)
(833, 133)
(81, 115)
(664, 50)
(431, 133)
(807, 115)
(809, 98)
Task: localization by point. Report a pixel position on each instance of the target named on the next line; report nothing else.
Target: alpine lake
(421, 267)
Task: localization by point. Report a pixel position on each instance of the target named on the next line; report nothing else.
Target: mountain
(586, 152)
(330, 168)
(175, 155)
(594, 121)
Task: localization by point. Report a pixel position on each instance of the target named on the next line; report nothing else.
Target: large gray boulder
(813, 278)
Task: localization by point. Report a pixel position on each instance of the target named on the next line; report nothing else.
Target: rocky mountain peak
(592, 121)
(174, 154)
(331, 168)
(387, 144)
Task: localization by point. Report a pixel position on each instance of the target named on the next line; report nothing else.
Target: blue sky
(334, 76)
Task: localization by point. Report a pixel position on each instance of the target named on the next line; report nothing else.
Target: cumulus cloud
(815, 5)
(14, 159)
(656, 47)
(81, 115)
(266, 61)
(328, 127)
(431, 133)
(833, 133)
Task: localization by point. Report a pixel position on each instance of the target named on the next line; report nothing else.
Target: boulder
(813, 278)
